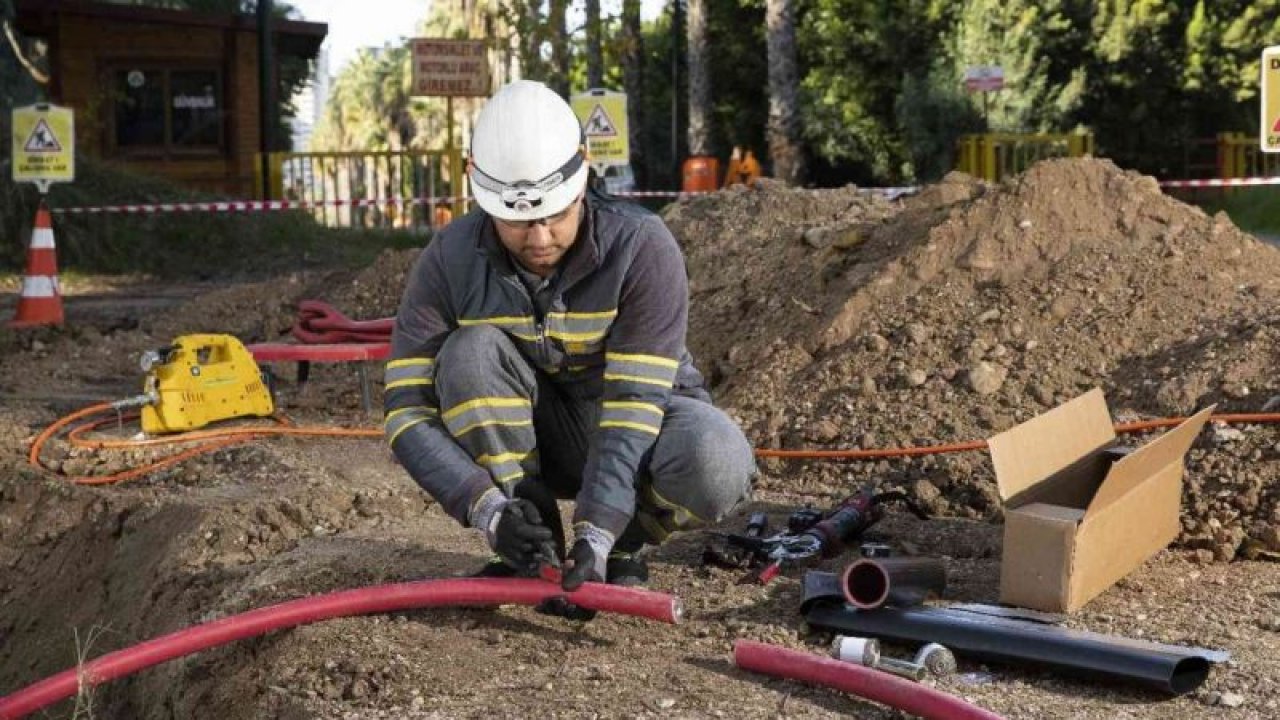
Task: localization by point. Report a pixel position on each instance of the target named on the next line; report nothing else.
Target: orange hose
(33, 457)
(248, 432)
(238, 435)
(152, 467)
(1129, 427)
(218, 439)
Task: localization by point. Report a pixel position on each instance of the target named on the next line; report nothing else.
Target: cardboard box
(1076, 518)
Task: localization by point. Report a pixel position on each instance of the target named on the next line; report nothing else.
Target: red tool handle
(850, 519)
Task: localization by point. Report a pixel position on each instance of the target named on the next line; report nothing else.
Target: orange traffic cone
(41, 301)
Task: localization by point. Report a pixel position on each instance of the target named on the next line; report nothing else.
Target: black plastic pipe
(899, 581)
(1168, 668)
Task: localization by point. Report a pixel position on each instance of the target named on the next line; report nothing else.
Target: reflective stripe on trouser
(699, 468)
(487, 391)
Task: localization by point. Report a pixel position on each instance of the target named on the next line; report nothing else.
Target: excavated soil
(825, 319)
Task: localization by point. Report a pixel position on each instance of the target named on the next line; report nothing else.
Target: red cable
(864, 682)
(379, 599)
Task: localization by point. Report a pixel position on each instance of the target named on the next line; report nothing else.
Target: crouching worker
(539, 353)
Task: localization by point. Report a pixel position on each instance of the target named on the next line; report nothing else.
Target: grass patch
(1253, 209)
(197, 245)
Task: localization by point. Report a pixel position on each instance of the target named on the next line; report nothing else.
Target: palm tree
(784, 117)
(595, 57)
(699, 79)
(557, 20)
(632, 52)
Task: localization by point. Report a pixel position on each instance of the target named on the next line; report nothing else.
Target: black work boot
(624, 566)
(626, 569)
(495, 568)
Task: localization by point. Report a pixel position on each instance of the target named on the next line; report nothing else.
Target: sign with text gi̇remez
(1270, 133)
(983, 78)
(603, 114)
(450, 68)
(44, 144)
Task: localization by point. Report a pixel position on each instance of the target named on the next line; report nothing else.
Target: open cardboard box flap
(1148, 460)
(1027, 454)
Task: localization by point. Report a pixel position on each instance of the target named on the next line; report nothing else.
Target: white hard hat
(528, 153)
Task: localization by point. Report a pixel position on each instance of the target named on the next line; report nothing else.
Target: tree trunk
(699, 80)
(557, 20)
(632, 53)
(785, 150)
(529, 26)
(595, 54)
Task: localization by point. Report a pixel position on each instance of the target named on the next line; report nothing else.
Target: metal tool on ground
(735, 555)
(937, 659)
(864, 651)
(874, 550)
(902, 668)
(932, 659)
(197, 380)
(824, 538)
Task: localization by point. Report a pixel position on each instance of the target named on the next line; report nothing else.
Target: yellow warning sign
(44, 144)
(1270, 131)
(603, 115)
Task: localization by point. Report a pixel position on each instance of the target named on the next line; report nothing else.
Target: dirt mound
(977, 307)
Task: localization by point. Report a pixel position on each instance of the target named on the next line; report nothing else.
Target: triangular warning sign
(42, 139)
(598, 123)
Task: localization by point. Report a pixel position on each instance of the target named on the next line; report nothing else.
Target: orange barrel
(701, 174)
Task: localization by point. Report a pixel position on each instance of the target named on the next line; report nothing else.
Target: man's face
(540, 245)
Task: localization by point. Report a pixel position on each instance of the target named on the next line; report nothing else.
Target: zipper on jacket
(543, 355)
(540, 331)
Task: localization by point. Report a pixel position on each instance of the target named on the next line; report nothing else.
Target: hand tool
(823, 538)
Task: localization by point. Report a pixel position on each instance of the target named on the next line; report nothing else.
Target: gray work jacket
(615, 330)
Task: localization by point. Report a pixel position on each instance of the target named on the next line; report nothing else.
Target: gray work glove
(588, 557)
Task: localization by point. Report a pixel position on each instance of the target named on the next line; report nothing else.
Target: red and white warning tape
(1221, 182)
(267, 205)
(249, 205)
(891, 192)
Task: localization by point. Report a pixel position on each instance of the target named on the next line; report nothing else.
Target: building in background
(171, 93)
(310, 102)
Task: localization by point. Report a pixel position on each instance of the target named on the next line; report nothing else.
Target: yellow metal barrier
(371, 189)
(995, 156)
(1239, 156)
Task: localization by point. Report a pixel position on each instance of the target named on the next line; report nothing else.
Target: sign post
(1270, 130)
(984, 79)
(44, 145)
(44, 152)
(450, 68)
(603, 114)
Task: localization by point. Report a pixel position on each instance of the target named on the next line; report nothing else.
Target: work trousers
(524, 428)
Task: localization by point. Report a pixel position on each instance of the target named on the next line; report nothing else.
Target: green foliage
(1253, 209)
(738, 63)
(932, 113)
(1037, 44)
(662, 168)
(855, 56)
(370, 107)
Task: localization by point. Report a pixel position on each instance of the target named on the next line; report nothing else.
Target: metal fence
(418, 189)
(1240, 156)
(995, 156)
